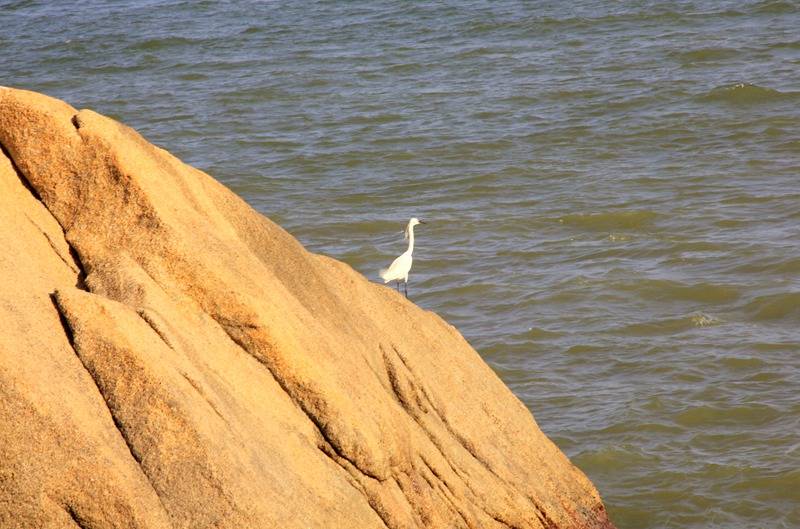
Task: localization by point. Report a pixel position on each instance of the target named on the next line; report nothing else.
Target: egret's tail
(382, 273)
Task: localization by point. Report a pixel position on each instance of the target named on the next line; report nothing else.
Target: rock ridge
(170, 358)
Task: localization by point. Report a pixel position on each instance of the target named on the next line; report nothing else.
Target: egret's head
(411, 223)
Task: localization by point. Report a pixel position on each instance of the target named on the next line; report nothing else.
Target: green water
(612, 190)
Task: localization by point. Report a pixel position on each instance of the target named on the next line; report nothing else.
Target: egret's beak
(422, 222)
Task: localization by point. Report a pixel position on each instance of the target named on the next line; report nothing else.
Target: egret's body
(400, 267)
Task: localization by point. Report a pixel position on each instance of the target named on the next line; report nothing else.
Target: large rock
(169, 358)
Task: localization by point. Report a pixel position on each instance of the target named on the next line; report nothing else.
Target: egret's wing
(398, 269)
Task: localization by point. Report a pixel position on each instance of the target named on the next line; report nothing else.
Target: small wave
(192, 76)
(627, 427)
(584, 349)
(617, 237)
(790, 45)
(400, 68)
(571, 95)
(471, 291)
(752, 199)
(162, 43)
(748, 94)
(778, 7)
(474, 53)
(535, 333)
(704, 55)
(773, 377)
(781, 484)
(775, 307)
(703, 320)
(275, 144)
(316, 83)
(249, 95)
(21, 4)
(611, 220)
(748, 363)
(652, 328)
(664, 289)
(610, 457)
(489, 114)
(669, 326)
(378, 118)
(786, 266)
(746, 414)
(768, 347)
(114, 68)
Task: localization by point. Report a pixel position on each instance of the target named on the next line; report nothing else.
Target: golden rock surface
(170, 358)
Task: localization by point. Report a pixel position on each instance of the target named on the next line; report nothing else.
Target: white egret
(398, 270)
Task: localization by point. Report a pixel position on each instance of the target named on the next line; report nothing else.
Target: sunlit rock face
(171, 358)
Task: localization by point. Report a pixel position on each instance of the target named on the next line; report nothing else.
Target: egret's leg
(405, 285)
(397, 285)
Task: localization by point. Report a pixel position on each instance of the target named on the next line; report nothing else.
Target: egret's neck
(410, 240)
